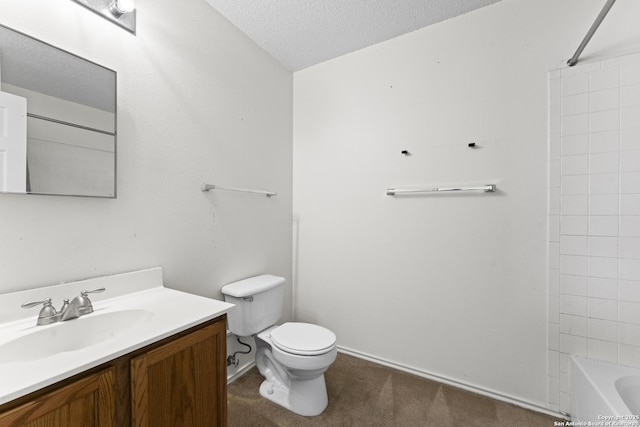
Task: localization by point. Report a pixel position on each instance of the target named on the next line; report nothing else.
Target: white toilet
(292, 357)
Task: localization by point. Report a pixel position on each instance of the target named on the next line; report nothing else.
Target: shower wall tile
(630, 162)
(574, 184)
(554, 336)
(594, 218)
(629, 247)
(574, 245)
(554, 201)
(554, 363)
(607, 99)
(575, 125)
(629, 334)
(574, 144)
(571, 344)
(573, 305)
(629, 312)
(630, 74)
(573, 85)
(630, 96)
(630, 291)
(605, 330)
(554, 282)
(604, 142)
(604, 183)
(576, 224)
(603, 267)
(608, 162)
(574, 265)
(564, 362)
(575, 165)
(629, 117)
(629, 355)
(554, 387)
(574, 205)
(629, 269)
(554, 311)
(603, 246)
(629, 139)
(602, 287)
(603, 204)
(575, 104)
(630, 226)
(573, 325)
(554, 228)
(603, 225)
(630, 182)
(602, 121)
(565, 402)
(604, 309)
(630, 204)
(574, 285)
(604, 79)
(564, 383)
(602, 350)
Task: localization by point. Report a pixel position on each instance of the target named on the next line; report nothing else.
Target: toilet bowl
(294, 376)
(292, 357)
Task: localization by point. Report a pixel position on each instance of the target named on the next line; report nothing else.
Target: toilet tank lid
(252, 285)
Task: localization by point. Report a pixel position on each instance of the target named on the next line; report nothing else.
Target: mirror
(70, 120)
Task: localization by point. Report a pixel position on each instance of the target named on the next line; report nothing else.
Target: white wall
(449, 285)
(594, 222)
(197, 102)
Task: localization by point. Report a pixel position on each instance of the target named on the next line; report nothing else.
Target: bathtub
(604, 393)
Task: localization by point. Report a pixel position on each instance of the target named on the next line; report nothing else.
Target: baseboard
(240, 372)
(455, 383)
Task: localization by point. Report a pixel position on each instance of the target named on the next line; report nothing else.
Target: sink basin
(136, 311)
(72, 335)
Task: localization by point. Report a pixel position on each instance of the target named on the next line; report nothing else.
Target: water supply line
(231, 360)
(574, 59)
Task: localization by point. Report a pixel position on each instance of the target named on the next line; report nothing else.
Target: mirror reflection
(57, 120)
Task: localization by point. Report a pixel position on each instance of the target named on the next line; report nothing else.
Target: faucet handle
(84, 302)
(46, 302)
(95, 291)
(46, 314)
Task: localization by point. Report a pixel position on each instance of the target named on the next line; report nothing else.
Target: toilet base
(308, 397)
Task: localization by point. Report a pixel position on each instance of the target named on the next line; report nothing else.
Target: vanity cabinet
(87, 402)
(180, 381)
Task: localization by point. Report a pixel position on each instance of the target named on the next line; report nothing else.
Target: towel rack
(487, 188)
(207, 187)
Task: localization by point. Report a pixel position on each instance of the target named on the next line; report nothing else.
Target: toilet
(291, 357)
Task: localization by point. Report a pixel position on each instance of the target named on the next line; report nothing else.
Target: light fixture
(120, 12)
(120, 7)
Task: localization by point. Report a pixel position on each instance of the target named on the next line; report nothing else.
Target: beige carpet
(362, 393)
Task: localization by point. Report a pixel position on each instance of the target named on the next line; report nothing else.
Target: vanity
(146, 355)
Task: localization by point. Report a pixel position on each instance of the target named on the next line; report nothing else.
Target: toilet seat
(303, 339)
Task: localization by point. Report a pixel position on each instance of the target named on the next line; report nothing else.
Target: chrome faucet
(79, 306)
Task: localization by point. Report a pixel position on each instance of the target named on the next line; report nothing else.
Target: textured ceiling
(301, 33)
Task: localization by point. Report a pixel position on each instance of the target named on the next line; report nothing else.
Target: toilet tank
(258, 303)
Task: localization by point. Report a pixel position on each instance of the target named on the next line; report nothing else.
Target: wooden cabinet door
(182, 383)
(86, 402)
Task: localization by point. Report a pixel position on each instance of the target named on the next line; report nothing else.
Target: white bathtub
(604, 393)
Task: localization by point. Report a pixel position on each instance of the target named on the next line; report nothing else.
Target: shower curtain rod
(574, 59)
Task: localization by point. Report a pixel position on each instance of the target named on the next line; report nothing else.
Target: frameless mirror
(68, 106)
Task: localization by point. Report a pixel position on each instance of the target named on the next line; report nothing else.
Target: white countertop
(166, 312)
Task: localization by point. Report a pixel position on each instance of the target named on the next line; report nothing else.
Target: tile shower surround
(594, 217)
